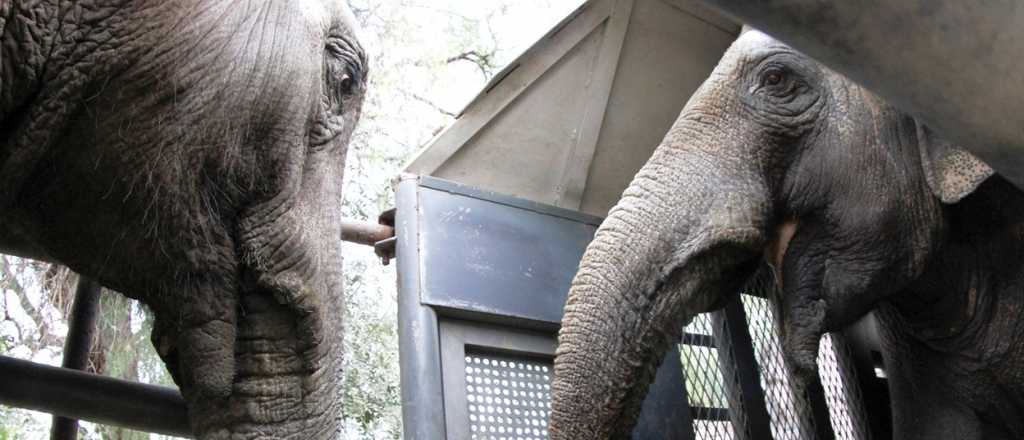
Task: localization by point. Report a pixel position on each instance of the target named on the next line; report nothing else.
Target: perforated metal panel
(509, 397)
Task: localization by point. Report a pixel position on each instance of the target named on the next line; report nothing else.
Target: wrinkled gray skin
(190, 153)
(855, 205)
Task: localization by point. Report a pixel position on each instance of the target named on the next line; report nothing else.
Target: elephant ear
(952, 173)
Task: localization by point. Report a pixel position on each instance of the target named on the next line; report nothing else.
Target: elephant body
(953, 339)
(853, 205)
(190, 155)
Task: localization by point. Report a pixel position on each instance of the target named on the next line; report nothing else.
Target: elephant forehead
(754, 45)
(755, 40)
(328, 15)
(314, 12)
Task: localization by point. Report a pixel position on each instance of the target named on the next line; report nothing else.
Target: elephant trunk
(685, 236)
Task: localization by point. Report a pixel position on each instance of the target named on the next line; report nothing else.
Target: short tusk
(776, 250)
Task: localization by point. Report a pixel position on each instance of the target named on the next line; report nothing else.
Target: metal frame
(77, 345)
(456, 335)
(450, 296)
(738, 366)
(84, 396)
(469, 262)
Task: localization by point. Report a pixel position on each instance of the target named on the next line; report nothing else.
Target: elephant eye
(346, 83)
(773, 77)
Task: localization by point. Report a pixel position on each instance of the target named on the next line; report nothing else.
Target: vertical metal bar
(81, 330)
(815, 395)
(419, 347)
(747, 407)
(666, 410)
(858, 340)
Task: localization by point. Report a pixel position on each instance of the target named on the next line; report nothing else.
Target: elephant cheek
(775, 252)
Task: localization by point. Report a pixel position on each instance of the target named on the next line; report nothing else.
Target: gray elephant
(855, 205)
(190, 154)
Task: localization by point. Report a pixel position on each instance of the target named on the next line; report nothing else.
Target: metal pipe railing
(363, 232)
(86, 396)
(73, 395)
(81, 330)
(958, 66)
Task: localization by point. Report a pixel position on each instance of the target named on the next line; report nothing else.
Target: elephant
(851, 204)
(189, 154)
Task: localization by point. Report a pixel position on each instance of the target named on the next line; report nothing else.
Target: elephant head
(190, 154)
(774, 159)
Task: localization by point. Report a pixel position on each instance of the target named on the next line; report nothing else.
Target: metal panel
(569, 192)
(665, 413)
(501, 343)
(432, 241)
(520, 150)
(512, 259)
(418, 341)
(668, 52)
(510, 83)
(573, 119)
(494, 272)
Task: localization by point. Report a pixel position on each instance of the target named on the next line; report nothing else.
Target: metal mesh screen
(704, 383)
(508, 397)
(845, 403)
(790, 415)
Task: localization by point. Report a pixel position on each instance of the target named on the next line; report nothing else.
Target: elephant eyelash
(353, 60)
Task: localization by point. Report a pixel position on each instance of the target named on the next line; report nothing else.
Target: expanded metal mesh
(790, 413)
(508, 398)
(845, 403)
(704, 384)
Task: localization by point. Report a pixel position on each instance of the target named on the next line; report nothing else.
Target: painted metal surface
(479, 258)
(81, 330)
(513, 259)
(570, 121)
(99, 399)
(419, 347)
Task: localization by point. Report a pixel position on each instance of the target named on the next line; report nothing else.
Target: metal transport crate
(482, 281)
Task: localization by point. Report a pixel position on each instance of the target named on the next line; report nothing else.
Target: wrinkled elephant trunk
(685, 236)
(287, 373)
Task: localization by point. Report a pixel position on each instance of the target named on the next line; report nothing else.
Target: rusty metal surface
(364, 232)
